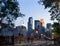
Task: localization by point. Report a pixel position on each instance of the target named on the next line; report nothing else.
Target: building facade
(42, 22)
(30, 26)
(38, 27)
(20, 34)
(43, 26)
(49, 25)
(49, 29)
(30, 23)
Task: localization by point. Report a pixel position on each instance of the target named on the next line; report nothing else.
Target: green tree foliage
(55, 8)
(56, 27)
(48, 3)
(9, 11)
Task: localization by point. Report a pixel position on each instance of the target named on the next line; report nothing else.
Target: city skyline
(31, 8)
(28, 23)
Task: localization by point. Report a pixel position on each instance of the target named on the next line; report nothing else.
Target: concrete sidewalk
(35, 42)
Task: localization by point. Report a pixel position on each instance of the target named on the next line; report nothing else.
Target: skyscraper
(42, 22)
(49, 25)
(43, 26)
(38, 27)
(49, 30)
(30, 24)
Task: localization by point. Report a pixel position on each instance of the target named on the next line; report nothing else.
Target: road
(35, 43)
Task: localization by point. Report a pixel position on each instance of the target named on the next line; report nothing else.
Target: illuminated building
(42, 22)
(43, 26)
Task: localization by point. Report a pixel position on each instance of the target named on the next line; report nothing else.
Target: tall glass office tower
(30, 24)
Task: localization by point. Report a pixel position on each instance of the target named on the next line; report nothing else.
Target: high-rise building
(49, 29)
(38, 27)
(43, 30)
(49, 25)
(43, 26)
(42, 22)
(30, 26)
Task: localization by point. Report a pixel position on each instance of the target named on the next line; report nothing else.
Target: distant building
(43, 30)
(22, 34)
(49, 29)
(49, 25)
(38, 27)
(30, 26)
(21, 31)
(43, 26)
(42, 22)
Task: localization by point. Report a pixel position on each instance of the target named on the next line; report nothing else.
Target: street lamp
(41, 35)
(37, 32)
(52, 35)
(52, 28)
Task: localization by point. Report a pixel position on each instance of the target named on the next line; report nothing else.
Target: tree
(55, 8)
(56, 31)
(9, 11)
(56, 27)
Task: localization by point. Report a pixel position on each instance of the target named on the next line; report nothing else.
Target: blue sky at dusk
(31, 8)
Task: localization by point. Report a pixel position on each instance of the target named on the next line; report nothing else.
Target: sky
(31, 8)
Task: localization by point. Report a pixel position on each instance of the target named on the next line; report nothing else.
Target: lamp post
(52, 35)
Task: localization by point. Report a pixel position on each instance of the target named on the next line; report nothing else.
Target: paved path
(36, 43)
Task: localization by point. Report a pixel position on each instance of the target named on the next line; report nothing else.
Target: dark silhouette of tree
(56, 27)
(56, 31)
(9, 11)
(55, 8)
